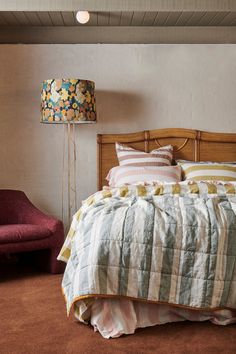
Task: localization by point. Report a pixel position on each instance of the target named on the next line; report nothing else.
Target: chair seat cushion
(22, 232)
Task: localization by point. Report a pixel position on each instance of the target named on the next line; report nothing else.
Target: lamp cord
(63, 174)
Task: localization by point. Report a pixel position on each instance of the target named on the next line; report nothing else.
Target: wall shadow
(119, 106)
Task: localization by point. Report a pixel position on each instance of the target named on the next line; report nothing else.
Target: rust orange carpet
(33, 320)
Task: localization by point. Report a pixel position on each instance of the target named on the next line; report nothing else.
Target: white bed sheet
(115, 317)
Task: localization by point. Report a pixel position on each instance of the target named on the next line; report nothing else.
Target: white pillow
(121, 175)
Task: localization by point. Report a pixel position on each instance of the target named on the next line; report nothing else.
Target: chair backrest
(11, 206)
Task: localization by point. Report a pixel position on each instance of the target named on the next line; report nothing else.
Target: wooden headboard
(188, 144)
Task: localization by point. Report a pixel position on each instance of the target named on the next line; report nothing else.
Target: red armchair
(25, 228)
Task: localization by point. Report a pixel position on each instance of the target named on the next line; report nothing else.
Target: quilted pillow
(121, 175)
(128, 156)
(208, 171)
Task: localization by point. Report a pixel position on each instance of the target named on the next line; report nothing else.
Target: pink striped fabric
(128, 156)
(121, 175)
(114, 317)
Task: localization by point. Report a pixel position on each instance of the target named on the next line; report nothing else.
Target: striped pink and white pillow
(128, 156)
(121, 175)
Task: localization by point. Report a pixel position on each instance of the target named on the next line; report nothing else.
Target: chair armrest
(16, 208)
(32, 215)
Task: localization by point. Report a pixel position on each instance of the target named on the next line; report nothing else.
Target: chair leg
(55, 266)
(47, 260)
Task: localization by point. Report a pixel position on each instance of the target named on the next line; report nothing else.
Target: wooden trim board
(117, 35)
(118, 5)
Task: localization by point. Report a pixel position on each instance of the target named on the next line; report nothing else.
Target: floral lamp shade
(68, 101)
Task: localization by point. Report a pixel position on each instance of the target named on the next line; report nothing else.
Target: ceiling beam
(140, 35)
(118, 5)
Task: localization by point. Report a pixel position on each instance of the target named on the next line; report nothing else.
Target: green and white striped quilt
(176, 247)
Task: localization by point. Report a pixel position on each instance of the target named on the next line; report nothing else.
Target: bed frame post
(99, 161)
(197, 146)
(146, 138)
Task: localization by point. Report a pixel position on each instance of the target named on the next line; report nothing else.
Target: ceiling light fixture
(82, 16)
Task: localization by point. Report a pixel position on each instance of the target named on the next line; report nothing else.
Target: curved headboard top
(193, 145)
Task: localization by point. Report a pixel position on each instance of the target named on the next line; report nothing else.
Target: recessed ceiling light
(82, 16)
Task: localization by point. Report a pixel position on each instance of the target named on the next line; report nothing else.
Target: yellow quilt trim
(176, 188)
(230, 189)
(66, 253)
(124, 191)
(212, 189)
(159, 190)
(194, 188)
(141, 191)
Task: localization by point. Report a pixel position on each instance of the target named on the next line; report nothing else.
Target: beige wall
(138, 87)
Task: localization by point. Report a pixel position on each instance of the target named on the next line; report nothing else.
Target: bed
(146, 254)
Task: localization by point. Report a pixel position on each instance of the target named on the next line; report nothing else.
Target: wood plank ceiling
(118, 21)
(119, 18)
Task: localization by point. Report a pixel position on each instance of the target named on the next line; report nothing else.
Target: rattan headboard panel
(193, 145)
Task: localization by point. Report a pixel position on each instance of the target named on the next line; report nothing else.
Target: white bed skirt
(115, 317)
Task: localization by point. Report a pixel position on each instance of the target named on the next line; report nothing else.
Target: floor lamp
(68, 102)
